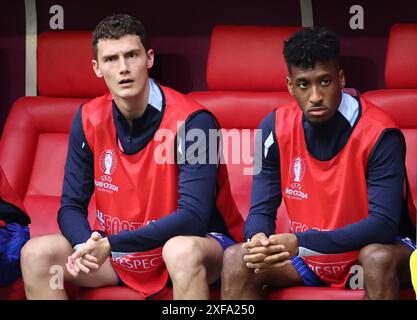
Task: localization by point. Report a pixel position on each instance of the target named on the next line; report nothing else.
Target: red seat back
(247, 58)
(246, 80)
(64, 65)
(401, 61)
(33, 147)
(400, 97)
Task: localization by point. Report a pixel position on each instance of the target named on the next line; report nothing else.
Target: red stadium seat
(399, 99)
(246, 80)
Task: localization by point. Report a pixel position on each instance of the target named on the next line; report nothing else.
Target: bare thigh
(53, 250)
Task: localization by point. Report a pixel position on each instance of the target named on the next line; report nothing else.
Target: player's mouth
(124, 83)
(317, 111)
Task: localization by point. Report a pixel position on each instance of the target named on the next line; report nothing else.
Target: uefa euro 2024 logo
(107, 164)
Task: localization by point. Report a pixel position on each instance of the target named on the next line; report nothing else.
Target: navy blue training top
(385, 180)
(196, 213)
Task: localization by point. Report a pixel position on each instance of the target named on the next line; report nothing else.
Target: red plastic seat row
(246, 81)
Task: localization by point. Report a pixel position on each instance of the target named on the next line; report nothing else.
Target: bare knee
(377, 257)
(233, 263)
(34, 258)
(38, 255)
(238, 281)
(184, 258)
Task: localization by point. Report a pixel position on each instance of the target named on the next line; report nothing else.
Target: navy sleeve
(385, 180)
(78, 186)
(266, 185)
(196, 188)
(12, 214)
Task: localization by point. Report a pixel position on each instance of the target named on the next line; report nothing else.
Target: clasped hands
(90, 256)
(263, 251)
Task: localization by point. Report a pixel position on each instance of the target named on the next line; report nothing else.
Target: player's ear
(290, 85)
(96, 68)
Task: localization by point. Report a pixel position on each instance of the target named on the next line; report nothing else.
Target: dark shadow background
(180, 30)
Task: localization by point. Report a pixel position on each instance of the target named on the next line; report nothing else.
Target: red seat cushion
(326, 293)
(120, 293)
(110, 293)
(14, 291)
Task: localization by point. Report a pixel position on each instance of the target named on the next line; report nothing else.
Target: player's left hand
(90, 256)
(278, 252)
(288, 240)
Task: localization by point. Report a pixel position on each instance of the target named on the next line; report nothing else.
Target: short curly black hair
(311, 45)
(117, 26)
